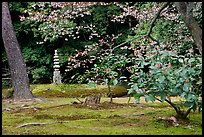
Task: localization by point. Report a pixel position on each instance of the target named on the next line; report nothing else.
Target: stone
(56, 73)
(57, 77)
(92, 99)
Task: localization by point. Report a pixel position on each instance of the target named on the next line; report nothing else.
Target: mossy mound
(75, 90)
(70, 90)
(7, 93)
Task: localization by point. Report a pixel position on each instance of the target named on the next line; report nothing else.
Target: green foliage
(105, 71)
(108, 69)
(144, 5)
(31, 34)
(198, 13)
(163, 30)
(56, 30)
(169, 75)
(101, 17)
(41, 75)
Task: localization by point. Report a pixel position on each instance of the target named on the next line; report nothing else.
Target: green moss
(102, 119)
(7, 93)
(70, 90)
(74, 90)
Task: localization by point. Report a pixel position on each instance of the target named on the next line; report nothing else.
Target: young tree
(170, 72)
(19, 76)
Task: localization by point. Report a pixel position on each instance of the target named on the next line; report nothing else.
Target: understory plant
(108, 71)
(169, 75)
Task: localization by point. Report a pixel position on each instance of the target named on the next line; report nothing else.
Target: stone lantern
(56, 73)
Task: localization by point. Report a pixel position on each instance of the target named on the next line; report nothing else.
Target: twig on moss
(39, 123)
(79, 100)
(34, 123)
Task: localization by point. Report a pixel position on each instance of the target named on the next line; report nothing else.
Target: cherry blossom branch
(150, 29)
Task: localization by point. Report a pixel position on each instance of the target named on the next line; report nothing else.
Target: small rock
(9, 101)
(173, 119)
(24, 105)
(7, 109)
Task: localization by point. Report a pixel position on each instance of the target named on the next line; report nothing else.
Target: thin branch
(5, 78)
(187, 112)
(153, 39)
(150, 29)
(125, 43)
(6, 74)
(173, 105)
(155, 17)
(154, 20)
(79, 100)
(158, 99)
(168, 101)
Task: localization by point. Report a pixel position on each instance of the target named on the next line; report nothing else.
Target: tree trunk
(19, 76)
(186, 10)
(110, 91)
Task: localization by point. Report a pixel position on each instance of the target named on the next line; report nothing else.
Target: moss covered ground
(57, 116)
(70, 90)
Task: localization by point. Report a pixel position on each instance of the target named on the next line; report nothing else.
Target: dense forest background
(85, 37)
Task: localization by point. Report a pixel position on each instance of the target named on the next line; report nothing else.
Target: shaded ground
(59, 116)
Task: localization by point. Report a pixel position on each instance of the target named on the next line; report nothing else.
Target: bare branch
(40, 123)
(125, 43)
(158, 99)
(154, 20)
(173, 105)
(168, 101)
(187, 112)
(34, 123)
(79, 100)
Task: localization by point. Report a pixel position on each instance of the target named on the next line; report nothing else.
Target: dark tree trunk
(186, 10)
(110, 92)
(19, 76)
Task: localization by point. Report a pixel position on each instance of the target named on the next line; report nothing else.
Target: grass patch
(102, 119)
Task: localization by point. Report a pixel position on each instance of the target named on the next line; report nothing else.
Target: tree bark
(186, 11)
(19, 76)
